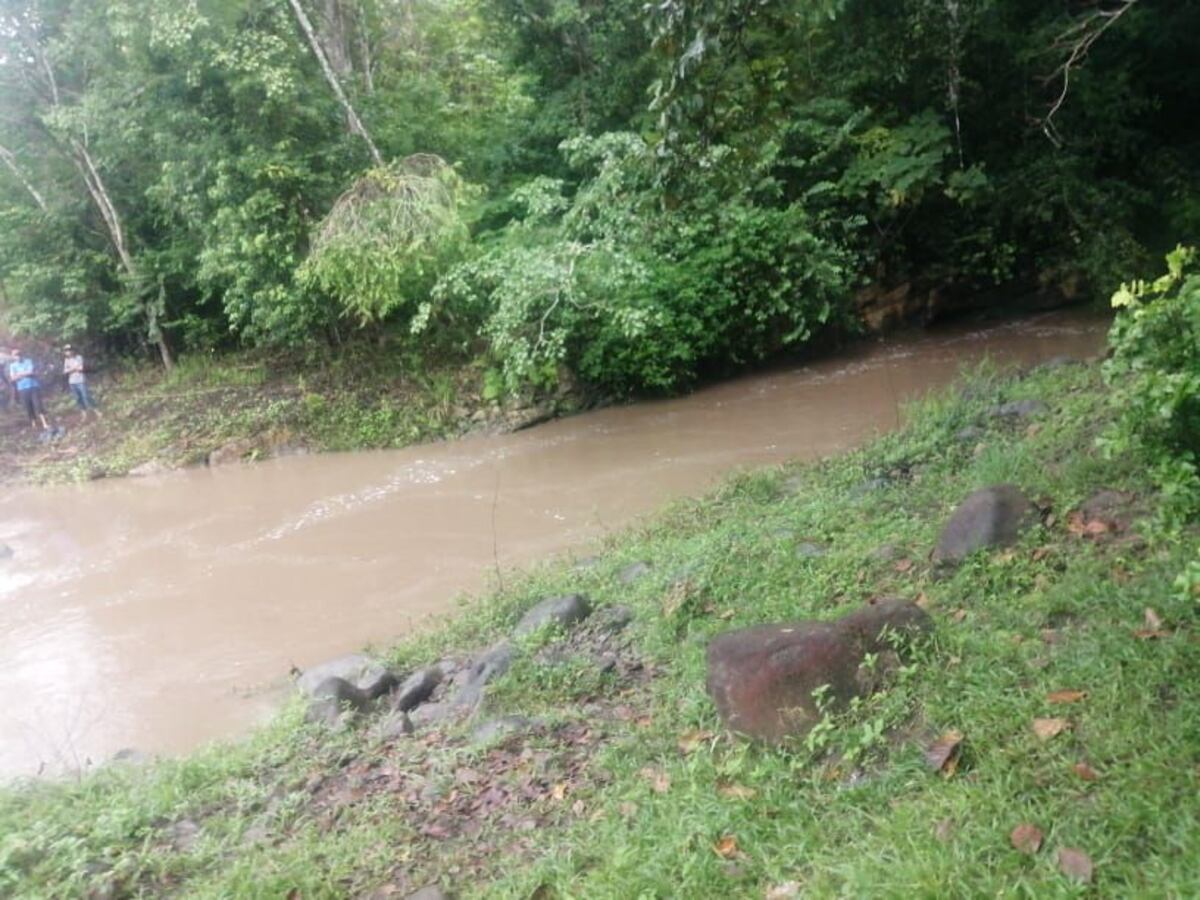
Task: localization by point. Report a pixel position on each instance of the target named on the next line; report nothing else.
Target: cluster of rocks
(453, 689)
(766, 680)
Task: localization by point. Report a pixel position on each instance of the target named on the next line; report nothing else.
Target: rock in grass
(1018, 409)
(482, 671)
(360, 670)
(809, 550)
(633, 572)
(335, 699)
(416, 688)
(991, 517)
(763, 679)
(393, 726)
(611, 619)
(560, 611)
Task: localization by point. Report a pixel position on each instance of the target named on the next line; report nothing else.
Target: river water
(161, 613)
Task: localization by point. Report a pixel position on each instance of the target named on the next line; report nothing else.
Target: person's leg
(26, 398)
(90, 400)
(41, 410)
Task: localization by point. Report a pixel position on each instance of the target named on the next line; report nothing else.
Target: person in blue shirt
(21, 372)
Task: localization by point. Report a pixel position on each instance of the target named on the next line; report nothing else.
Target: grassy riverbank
(627, 786)
(247, 407)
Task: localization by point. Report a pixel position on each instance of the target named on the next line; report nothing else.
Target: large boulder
(336, 699)
(991, 517)
(559, 611)
(360, 670)
(765, 679)
(416, 688)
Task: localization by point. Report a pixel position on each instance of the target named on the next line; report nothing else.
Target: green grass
(262, 406)
(853, 811)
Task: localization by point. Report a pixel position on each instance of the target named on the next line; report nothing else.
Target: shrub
(1154, 373)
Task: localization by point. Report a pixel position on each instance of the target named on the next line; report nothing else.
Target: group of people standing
(22, 384)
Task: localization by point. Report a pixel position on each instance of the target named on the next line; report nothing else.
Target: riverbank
(248, 407)
(1065, 664)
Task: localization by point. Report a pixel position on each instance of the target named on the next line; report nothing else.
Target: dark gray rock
(558, 611)
(633, 572)
(471, 681)
(416, 688)
(990, 517)
(763, 679)
(431, 714)
(809, 550)
(335, 700)
(1018, 409)
(393, 726)
(360, 670)
(495, 729)
(611, 619)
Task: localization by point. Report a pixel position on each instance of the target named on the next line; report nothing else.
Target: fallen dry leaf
(1040, 553)
(958, 615)
(1151, 634)
(1048, 728)
(660, 781)
(904, 565)
(1065, 696)
(1051, 636)
(726, 847)
(578, 808)
(1152, 620)
(1080, 527)
(726, 615)
(736, 791)
(628, 810)
(1086, 772)
(643, 721)
(559, 791)
(691, 741)
(943, 754)
(1075, 864)
(1027, 838)
(923, 600)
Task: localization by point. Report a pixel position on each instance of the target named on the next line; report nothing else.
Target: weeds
(632, 789)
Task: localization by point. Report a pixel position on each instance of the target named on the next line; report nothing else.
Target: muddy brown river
(162, 613)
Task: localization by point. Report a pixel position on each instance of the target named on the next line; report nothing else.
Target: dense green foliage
(635, 195)
(1155, 375)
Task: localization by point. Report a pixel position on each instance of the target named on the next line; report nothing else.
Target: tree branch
(356, 125)
(1076, 41)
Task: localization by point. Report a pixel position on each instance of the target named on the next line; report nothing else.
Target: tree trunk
(10, 160)
(335, 38)
(356, 125)
(116, 232)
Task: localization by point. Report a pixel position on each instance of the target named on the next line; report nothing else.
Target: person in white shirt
(77, 381)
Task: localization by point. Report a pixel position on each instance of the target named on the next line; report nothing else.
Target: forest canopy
(634, 193)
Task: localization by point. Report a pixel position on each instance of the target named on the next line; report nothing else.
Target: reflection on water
(161, 613)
